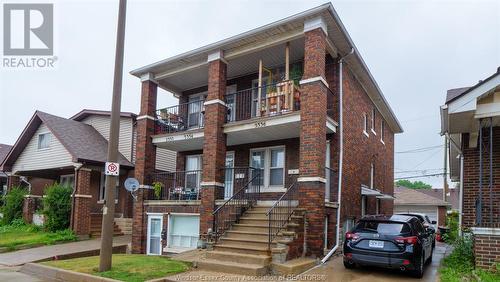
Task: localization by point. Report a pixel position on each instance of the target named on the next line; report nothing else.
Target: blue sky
(416, 50)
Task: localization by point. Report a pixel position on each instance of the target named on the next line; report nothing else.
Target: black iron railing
(246, 193)
(281, 211)
(177, 185)
(180, 117)
(275, 99)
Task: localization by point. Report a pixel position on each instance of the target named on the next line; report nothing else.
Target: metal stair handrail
(231, 210)
(280, 212)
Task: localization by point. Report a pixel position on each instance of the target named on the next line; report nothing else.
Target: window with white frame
(382, 129)
(272, 162)
(365, 123)
(44, 140)
(67, 180)
(102, 188)
(373, 120)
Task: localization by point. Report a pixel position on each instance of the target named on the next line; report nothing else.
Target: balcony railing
(177, 185)
(179, 118)
(275, 99)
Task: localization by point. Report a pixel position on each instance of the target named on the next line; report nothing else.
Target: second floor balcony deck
(268, 112)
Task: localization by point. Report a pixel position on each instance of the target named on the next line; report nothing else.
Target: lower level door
(155, 224)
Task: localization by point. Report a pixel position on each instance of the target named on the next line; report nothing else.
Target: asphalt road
(334, 270)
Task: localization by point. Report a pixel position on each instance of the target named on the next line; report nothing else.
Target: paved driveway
(334, 270)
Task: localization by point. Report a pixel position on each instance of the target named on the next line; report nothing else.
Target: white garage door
(431, 211)
(183, 231)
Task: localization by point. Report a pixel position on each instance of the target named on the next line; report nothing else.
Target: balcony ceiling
(239, 66)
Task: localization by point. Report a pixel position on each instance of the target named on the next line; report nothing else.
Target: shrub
(460, 262)
(13, 205)
(57, 207)
(452, 223)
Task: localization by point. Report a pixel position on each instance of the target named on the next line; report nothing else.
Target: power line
(420, 170)
(419, 150)
(420, 176)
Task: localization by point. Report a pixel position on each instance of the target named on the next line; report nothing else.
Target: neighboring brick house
(73, 152)
(417, 201)
(259, 119)
(470, 120)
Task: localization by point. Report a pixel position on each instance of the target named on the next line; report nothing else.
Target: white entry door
(229, 176)
(155, 223)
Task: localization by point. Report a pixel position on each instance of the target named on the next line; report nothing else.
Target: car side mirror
(433, 222)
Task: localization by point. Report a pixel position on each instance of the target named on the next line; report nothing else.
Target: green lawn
(13, 237)
(125, 267)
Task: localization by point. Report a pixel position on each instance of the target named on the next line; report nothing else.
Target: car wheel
(429, 260)
(349, 265)
(418, 272)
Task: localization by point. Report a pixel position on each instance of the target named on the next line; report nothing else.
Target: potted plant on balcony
(157, 187)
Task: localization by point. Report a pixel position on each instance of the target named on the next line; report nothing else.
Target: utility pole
(111, 180)
(445, 175)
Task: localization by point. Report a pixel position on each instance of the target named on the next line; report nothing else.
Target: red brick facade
(313, 141)
(144, 160)
(81, 207)
(214, 143)
(487, 251)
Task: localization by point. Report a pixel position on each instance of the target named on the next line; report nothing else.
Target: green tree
(413, 184)
(57, 207)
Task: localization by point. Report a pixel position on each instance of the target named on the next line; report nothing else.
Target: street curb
(57, 274)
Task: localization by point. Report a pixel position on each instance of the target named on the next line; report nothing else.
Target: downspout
(77, 168)
(341, 156)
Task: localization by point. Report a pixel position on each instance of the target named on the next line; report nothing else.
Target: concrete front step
(232, 267)
(250, 227)
(246, 234)
(245, 242)
(239, 258)
(235, 248)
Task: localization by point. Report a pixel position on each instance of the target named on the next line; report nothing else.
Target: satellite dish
(131, 184)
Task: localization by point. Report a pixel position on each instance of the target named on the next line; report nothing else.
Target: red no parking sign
(112, 169)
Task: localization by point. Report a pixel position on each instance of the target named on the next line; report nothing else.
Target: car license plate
(376, 244)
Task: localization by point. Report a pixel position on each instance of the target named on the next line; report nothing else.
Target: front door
(229, 178)
(155, 223)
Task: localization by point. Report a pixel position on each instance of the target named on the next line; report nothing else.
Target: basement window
(44, 140)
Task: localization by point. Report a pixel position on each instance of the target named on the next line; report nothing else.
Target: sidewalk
(42, 253)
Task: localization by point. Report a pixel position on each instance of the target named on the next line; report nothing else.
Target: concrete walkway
(46, 252)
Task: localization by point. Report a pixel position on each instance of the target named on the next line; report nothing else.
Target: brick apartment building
(258, 135)
(72, 151)
(470, 120)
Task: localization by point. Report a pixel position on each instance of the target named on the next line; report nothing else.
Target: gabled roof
(438, 193)
(407, 196)
(82, 141)
(4, 150)
(81, 115)
(457, 92)
(337, 33)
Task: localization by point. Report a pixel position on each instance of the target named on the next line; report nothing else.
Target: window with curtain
(44, 140)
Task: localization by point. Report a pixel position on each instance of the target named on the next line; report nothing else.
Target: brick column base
(28, 209)
(486, 250)
(139, 225)
(82, 201)
(209, 194)
(312, 199)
